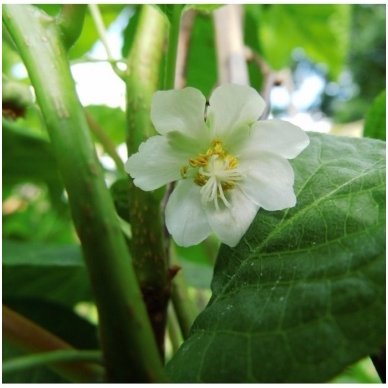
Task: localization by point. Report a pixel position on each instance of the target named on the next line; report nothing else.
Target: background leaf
(31, 375)
(375, 121)
(303, 294)
(202, 60)
(321, 30)
(111, 120)
(27, 157)
(50, 272)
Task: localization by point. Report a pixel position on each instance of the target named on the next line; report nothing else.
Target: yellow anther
(232, 161)
(199, 161)
(183, 171)
(200, 180)
(227, 185)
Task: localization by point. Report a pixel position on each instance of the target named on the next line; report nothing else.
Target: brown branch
(232, 67)
(31, 337)
(186, 28)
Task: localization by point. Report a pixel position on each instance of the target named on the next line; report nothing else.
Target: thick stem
(128, 345)
(149, 257)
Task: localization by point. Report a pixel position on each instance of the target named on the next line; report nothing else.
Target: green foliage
(375, 121)
(51, 272)
(34, 375)
(129, 31)
(89, 35)
(302, 296)
(27, 157)
(320, 30)
(202, 61)
(111, 120)
(367, 49)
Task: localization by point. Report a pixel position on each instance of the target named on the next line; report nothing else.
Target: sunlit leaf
(321, 30)
(375, 124)
(303, 294)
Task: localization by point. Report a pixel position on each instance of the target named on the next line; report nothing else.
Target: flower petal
(279, 137)
(179, 110)
(230, 224)
(232, 107)
(155, 164)
(269, 182)
(185, 217)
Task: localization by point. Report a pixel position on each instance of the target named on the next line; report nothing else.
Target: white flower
(227, 165)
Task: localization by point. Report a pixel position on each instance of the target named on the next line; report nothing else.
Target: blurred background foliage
(342, 47)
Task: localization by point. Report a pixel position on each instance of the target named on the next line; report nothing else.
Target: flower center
(216, 172)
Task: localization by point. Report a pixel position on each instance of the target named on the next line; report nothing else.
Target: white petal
(269, 182)
(185, 217)
(179, 110)
(155, 164)
(230, 224)
(277, 136)
(232, 107)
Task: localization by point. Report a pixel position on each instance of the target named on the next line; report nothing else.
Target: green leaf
(27, 157)
(202, 60)
(375, 118)
(51, 272)
(303, 294)
(89, 35)
(111, 120)
(130, 30)
(321, 30)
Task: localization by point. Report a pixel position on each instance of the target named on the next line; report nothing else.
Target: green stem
(184, 308)
(127, 341)
(172, 46)
(149, 258)
(101, 30)
(70, 22)
(105, 141)
(173, 330)
(54, 357)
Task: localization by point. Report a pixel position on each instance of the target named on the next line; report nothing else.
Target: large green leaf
(303, 294)
(320, 29)
(375, 125)
(51, 272)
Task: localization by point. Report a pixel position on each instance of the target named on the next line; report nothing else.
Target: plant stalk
(147, 247)
(128, 345)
